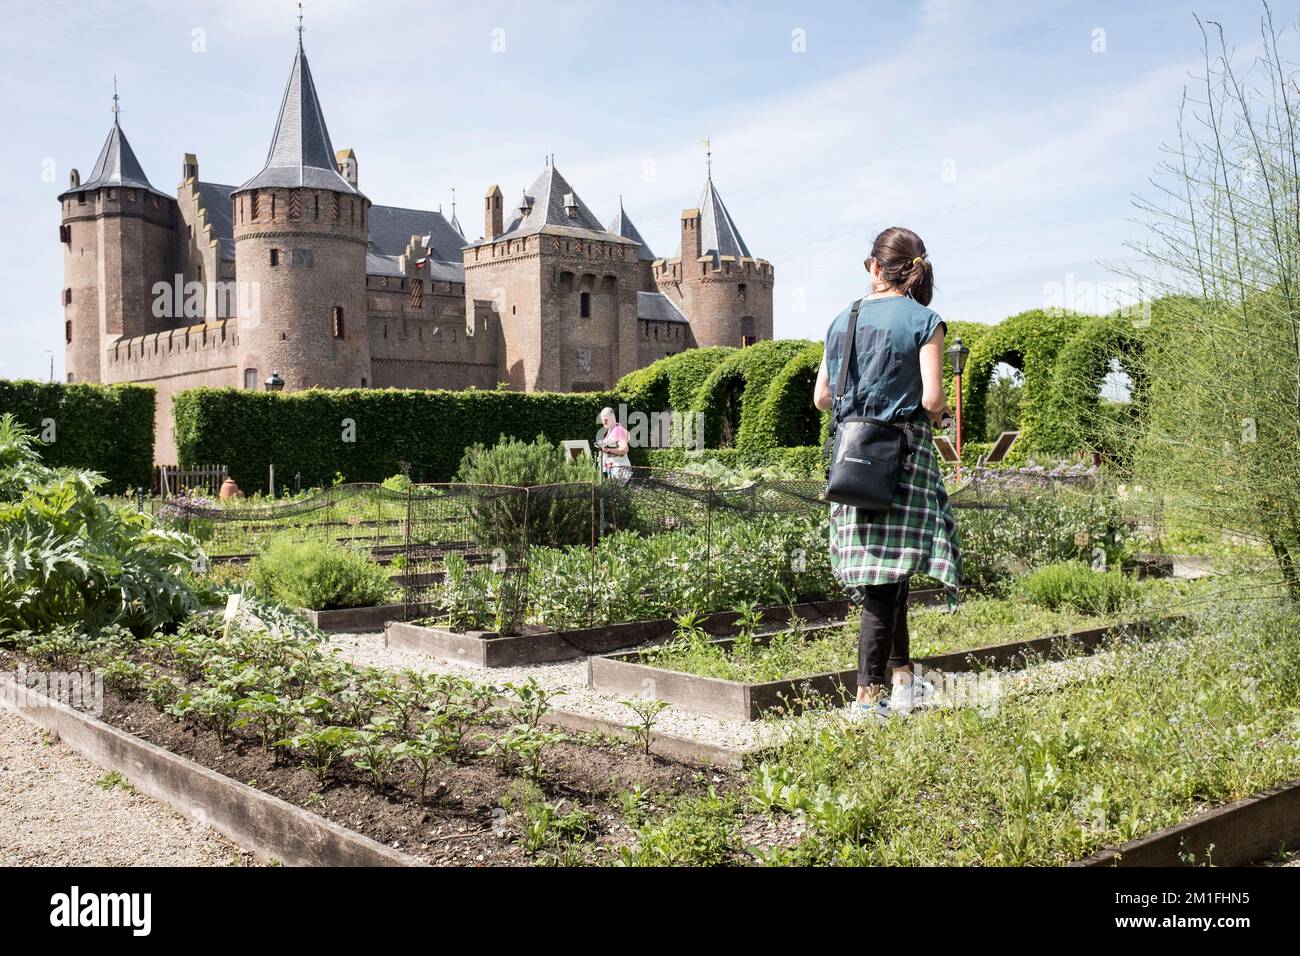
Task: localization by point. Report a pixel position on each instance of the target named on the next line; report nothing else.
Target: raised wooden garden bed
(540, 646)
(268, 827)
(354, 619)
(624, 675)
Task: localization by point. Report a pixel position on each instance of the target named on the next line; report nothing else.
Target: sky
(1011, 136)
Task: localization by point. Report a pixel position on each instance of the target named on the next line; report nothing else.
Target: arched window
(584, 305)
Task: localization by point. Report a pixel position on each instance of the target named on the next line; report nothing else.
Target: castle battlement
(163, 346)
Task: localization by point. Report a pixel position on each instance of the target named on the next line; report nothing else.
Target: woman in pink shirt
(613, 444)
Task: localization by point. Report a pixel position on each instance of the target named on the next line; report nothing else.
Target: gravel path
(55, 812)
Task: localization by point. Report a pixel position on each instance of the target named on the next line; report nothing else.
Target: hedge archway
(1076, 418)
(787, 417)
(1030, 342)
(735, 389)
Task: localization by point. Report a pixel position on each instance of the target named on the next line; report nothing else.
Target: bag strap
(850, 339)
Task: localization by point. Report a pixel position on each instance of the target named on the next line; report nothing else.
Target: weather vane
(300, 24)
(708, 158)
(115, 108)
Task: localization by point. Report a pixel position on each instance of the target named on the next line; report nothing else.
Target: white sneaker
(905, 698)
(879, 712)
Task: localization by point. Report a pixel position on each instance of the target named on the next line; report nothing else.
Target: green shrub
(108, 429)
(787, 416)
(319, 576)
(1075, 585)
(556, 516)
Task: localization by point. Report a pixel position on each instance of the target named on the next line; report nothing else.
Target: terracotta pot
(230, 490)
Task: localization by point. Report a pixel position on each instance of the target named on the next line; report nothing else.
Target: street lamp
(957, 356)
(275, 383)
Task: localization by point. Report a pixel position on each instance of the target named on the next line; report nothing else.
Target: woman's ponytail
(901, 258)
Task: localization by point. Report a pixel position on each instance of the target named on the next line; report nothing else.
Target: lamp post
(275, 383)
(957, 356)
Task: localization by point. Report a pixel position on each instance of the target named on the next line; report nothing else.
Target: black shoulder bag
(867, 454)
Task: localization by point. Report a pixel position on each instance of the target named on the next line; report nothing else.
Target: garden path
(58, 809)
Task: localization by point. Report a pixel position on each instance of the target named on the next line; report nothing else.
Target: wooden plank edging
(264, 825)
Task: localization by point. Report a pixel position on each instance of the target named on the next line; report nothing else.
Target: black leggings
(882, 637)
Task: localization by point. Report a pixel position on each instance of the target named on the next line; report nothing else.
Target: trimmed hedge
(736, 389)
(668, 385)
(103, 428)
(305, 432)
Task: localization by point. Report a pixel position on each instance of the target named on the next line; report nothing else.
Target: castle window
(81, 199)
(67, 297)
(65, 234)
(741, 290)
(275, 257)
(336, 321)
(254, 206)
(747, 340)
(273, 207)
(363, 381)
(67, 331)
(584, 305)
(250, 378)
(316, 201)
(417, 293)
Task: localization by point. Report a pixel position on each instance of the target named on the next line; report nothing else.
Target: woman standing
(896, 375)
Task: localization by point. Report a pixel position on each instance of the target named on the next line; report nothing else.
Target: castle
(297, 276)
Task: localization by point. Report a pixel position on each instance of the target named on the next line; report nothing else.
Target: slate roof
(301, 153)
(116, 166)
(391, 227)
(216, 200)
(622, 226)
(657, 307)
(718, 233)
(547, 211)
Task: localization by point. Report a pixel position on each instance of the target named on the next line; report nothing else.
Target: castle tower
(117, 233)
(563, 287)
(300, 231)
(724, 291)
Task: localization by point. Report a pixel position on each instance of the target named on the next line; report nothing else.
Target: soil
(473, 811)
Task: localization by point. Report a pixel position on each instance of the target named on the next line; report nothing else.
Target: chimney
(690, 239)
(493, 214)
(190, 168)
(345, 160)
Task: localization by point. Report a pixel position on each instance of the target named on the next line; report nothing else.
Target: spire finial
(300, 26)
(708, 160)
(453, 202)
(115, 107)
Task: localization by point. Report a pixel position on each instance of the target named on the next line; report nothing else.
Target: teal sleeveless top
(885, 379)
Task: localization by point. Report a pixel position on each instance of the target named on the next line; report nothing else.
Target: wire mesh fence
(655, 544)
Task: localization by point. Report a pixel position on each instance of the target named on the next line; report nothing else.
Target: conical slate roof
(622, 226)
(301, 153)
(718, 233)
(117, 166)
